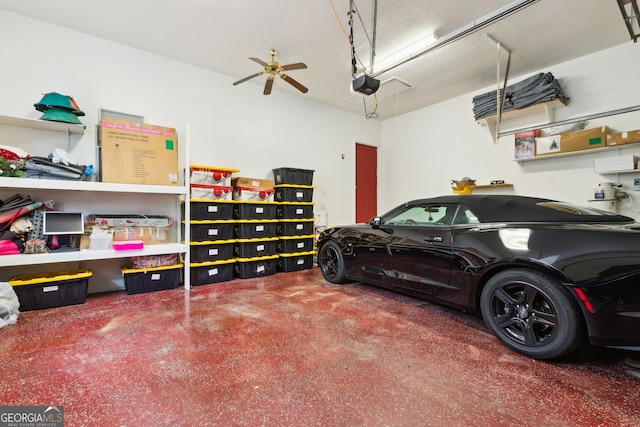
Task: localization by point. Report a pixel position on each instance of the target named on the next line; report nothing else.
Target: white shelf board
(88, 255)
(42, 124)
(106, 187)
(579, 152)
(540, 113)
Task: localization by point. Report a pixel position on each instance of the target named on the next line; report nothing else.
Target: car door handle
(432, 239)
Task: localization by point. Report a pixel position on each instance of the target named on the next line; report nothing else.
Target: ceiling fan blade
(248, 78)
(259, 61)
(297, 66)
(267, 86)
(294, 83)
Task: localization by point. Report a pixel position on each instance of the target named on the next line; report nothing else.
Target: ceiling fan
(274, 69)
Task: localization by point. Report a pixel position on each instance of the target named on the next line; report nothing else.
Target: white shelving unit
(96, 197)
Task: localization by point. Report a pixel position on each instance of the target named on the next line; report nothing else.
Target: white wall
(235, 127)
(424, 150)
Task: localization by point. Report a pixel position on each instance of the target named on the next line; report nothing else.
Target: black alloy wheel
(331, 262)
(532, 314)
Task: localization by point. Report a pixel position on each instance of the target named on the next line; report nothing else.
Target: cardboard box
(620, 138)
(253, 194)
(525, 144)
(135, 153)
(572, 141)
(211, 192)
(252, 182)
(211, 175)
(615, 164)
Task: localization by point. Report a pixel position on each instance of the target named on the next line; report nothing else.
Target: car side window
(422, 215)
(465, 216)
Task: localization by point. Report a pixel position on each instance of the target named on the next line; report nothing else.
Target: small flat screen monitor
(61, 223)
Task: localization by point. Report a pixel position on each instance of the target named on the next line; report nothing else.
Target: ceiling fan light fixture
(274, 69)
(409, 52)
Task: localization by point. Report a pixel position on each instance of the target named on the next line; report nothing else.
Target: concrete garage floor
(293, 350)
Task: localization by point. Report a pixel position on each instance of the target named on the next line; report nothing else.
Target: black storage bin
(251, 248)
(248, 268)
(293, 193)
(295, 261)
(208, 251)
(210, 209)
(255, 229)
(205, 273)
(255, 210)
(295, 210)
(292, 176)
(211, 230)
(289, 244)
(141, 280)
(48, 290)
(293, 227)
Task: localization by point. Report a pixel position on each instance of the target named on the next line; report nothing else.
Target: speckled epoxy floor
(293, 350)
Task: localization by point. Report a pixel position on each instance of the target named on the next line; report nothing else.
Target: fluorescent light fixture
(406, 54)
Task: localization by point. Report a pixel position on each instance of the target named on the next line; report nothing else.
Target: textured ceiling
(221, 35)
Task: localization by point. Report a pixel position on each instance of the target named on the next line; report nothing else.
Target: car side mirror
(375, 222)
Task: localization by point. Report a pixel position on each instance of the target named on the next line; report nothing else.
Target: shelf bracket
(500, 95)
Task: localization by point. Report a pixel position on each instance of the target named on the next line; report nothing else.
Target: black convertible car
(545, 275)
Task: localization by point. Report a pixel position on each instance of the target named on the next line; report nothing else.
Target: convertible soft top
(511, 208)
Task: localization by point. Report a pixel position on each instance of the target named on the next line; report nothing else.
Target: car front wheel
(331, 262)
(532, 314)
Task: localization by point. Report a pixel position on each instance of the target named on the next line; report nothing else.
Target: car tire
(331, 262)
(532, 314)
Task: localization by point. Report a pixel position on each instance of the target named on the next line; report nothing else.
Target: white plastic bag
(9, 305)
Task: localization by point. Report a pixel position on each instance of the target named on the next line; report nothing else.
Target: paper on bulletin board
(135, 153)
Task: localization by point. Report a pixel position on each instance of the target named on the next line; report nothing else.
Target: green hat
(54, 99)
(56, 114)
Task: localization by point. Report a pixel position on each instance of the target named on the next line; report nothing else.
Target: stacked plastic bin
(211, 225)
(294, 196)
(255, 228)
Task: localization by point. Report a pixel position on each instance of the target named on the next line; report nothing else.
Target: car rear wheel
(331, 262)
(532, 314)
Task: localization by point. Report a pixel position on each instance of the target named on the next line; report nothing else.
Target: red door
(366, 182)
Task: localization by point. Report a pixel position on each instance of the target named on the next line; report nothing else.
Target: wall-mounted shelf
(540, 113)
(469, 189)
(579, 152)
(574, 120)
(42, 124)
(619, 172)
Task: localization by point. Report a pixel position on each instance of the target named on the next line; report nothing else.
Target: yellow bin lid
(57, 276)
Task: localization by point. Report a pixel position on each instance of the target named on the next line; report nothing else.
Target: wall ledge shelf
(42, 124)
(579, 152)
(469, 189)
(542, 112)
